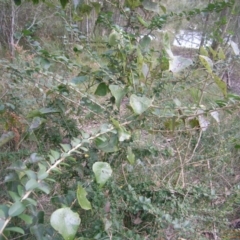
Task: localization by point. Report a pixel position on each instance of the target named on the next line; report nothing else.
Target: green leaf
(79, 79)
(102, 89)
(31, 184)
(142, 21)
(145, 43)
(21, 190)
(107, 145)
(221, 84)
(18, 165)
(56, 155)
(6, 137)
(44, 187)
(3, 211)
(16, 209)
(64, 3)
(42, 173)
(66, 147)
(221, 54)
(17, 2)
(163, 8)
(130, 156)
(38, 231)
(82, 200)
(15, 229)
(207, 63)
(66, 222)
(140, 104)
(15, 197)
(31, 201)
(12, 176)
(26, 218)
(132, 3)
(203, 51)
(102, 171)
(31, 174)
(118, 93)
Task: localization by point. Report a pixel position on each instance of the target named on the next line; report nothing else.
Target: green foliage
(137, 134)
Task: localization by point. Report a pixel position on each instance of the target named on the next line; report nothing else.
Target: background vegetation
(108, 131)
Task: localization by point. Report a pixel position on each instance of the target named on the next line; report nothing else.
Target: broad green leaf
(12, 176)
(145, 42)
(75, 142)
(38, 231)
(163, 8)
(221, 54)
(130, 156)
(81, 197)
(203, 51)
(142, 21)
(118, 93)
(132, 3)
(102, 171)
(221, 84)
(6, 137)
(16, 209)
(64, 3)
(44, 187)
(3, 211)
(108, 145)
(31, 174)
(66, 147)
(140, 104)
(66, 222)
(18, 165)
(102, 89)
(15, 229)
(164, 63)
(86, 102)
(207, 63)
(17, 2)
(21, 190)
(178, 63)
(79, 79)
(56, 155)
(31, 201)
(31, 184)
(26, 218)
(15, 197)
(42, 173)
